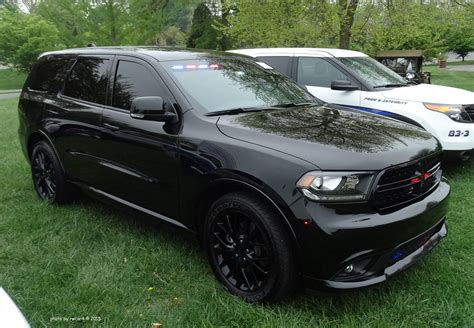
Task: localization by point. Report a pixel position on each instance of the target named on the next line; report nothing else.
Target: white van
(353, 79)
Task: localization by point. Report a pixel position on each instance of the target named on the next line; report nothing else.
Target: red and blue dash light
(194, 66)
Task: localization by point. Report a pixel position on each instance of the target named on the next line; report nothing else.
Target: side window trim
(113, 73)
(61, 94)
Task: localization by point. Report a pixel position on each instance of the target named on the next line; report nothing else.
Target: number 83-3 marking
(458, 133)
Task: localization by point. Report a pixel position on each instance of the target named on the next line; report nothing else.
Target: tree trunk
(113, 23)
(347, 9)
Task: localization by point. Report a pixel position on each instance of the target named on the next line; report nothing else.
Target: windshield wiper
(392, 85)
(289, 105)
(235, 111)
(241, 110)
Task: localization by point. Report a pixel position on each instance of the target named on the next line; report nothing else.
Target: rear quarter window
(280, 63)
(47, 74)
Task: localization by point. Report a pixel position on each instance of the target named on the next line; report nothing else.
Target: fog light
(349, 268)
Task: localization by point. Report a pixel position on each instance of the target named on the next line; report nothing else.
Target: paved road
(9, 95)
(461, 68)
(454, 57)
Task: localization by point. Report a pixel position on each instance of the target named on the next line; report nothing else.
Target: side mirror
(152, 109)
(343, 85)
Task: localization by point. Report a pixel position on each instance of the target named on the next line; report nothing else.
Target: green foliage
(23, 37)
(283, 23)
(203, 34)
(117, 22)
(70, 18)
(460, 36)
(172, 37)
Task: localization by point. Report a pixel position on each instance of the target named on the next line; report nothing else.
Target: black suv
(282, 189)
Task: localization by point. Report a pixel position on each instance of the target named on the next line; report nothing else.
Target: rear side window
(281, 64)
(134, 80)
(88, 80)
(318, 72)
(47, 74)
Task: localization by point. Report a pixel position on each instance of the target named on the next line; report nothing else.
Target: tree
(346, 13)
(203, 34)
(173, 37)
(460, 35)
(461, 43)
(23, 37)
(282, 23)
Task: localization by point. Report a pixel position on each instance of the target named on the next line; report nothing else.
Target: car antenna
(91, 45)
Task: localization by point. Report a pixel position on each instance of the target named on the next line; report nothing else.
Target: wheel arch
(222, 186)
(36, 137)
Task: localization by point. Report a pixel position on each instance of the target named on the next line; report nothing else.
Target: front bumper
(322, 285)
(376, 245)
(453, 136)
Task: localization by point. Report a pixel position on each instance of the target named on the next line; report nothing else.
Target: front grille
(470, 110)
(398, 186)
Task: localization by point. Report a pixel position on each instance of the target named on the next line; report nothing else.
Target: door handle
(111, 127)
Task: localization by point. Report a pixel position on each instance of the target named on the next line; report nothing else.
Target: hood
(332, 137)
(435, 94)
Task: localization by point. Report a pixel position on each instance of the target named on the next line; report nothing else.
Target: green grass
(89, 259)
(442, 76)
(11, 79)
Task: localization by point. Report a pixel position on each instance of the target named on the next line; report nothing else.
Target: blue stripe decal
(371, 110)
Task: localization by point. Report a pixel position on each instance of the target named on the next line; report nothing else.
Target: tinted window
(88, 80)
(46, 75)
(281, 64)
(218, 83)
(134, 80)
(318, 72)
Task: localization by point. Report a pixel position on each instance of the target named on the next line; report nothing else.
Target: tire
(49, 179)
(249, 249)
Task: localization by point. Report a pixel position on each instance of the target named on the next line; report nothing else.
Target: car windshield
(218, 84)
(372, 72)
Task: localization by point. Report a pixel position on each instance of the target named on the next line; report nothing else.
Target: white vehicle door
(317, 74)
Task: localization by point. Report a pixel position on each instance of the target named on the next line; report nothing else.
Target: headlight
(410, 76)
(336, 186)
(455, 112)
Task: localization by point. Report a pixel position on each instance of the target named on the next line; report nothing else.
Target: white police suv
(353, 79)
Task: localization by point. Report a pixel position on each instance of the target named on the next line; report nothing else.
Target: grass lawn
(442, 76)
(11, 79)
(89, 259)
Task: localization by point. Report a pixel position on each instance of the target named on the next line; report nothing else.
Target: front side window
(318, 72)
(88, 80)
(215, 84)
(134, 80)
(372, 72)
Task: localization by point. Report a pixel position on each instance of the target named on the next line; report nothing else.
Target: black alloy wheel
(249, 249)
(242, 250)
(48, 177)
(44, 176)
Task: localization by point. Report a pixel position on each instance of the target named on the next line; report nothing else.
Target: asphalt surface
(9, 95)
(461, 68)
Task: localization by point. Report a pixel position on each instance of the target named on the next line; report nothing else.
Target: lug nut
(349, 268)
